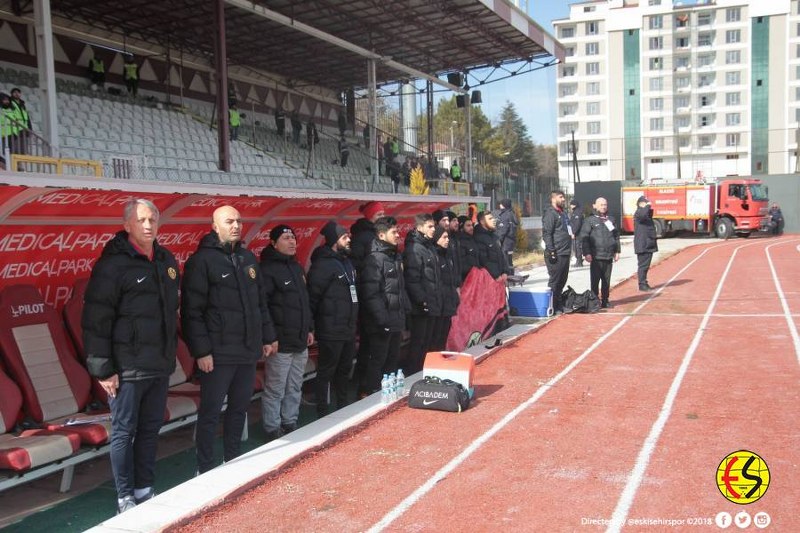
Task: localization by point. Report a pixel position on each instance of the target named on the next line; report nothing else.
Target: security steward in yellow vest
(97, 71)
(234, 119)
(130, 72)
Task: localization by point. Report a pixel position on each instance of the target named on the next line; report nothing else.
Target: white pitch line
(620, 515)
(786, 311)
(426, 487)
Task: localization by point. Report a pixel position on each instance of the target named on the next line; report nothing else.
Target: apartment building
(667, 90)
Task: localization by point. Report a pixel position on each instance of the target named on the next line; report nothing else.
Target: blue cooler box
(529, 301)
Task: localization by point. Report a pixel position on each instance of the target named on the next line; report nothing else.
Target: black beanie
(332, 231)
(642, 199)
(506, 203)
(438, 215)
(438, 233)
(279, 230)
(461, 220)
(451, 215)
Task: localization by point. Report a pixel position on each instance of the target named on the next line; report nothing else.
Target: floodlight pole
(223, 134)
(467, 161)
(43, 23)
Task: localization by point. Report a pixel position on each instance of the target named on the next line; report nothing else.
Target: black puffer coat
(450, 280)
(381, 290)
(454, 249)
(644, 231)
(490, 253)
(597, 240)
(329, 280)
(223, 309)
(554, 231)
(363, 235)
(285, 288)
(468, 253)
(130, 312)
(506, 231)
(422, 275)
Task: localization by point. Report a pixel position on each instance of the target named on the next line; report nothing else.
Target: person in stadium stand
(421, 271)
(10, 124)
(344, 151)
(363, 232)
(382, 297)
(235, 120)
(312, 136)
(467, 249)
(342, 123)
(130, 72)
(450, 280)
(365, 133)
(297, 127)
(490, 251)
(228, 328)
(557, 245)
(334, 305)
(644, 240)
(455, 171)
(575, 224)
(388, 156)
(280, 121)
(285, 287)
(97, 71)
(600, 245)
(130, 334)
(507, 224)
(25, 126)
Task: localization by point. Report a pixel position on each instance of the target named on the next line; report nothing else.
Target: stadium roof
(432, 36)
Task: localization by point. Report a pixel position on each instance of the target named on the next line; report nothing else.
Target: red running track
(593, 422)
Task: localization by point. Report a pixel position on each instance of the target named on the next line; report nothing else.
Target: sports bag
(439, 394)
(573, 302)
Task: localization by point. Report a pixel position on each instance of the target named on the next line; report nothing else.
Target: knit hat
(370, 209)
(505, 202)
(438, 215)
(461, 220)
(279, 230)
(642, 199)
(438, 233)
(332, 231)
(575, 203)
(449, 214)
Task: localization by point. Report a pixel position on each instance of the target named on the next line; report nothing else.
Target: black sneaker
(288, 428)
(126, 503)
(645, 288)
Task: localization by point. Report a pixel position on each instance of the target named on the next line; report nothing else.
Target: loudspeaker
(455, 78)
(461, 100)
(476, 97)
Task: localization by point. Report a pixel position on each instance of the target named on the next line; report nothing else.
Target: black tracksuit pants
(600, 275)
(643, 261)
(421, 328)
(441, 330)
(558, 273)
(384, 348)
(333, 372)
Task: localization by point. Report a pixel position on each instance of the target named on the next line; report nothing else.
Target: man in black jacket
(467, 249)
(383, 299)
(450, 280)
(575, 224)
(334, 305)
(490, 251)
(362, 232)
(421, 271)
(600, 246)
(130, 321)
(557, 245)
(506, 231)
(644, 240)
(286, 292)
(227, 327)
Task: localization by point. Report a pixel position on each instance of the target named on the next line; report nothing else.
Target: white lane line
(786, 312)
(636, 476)
(714, 315)
(426, 487)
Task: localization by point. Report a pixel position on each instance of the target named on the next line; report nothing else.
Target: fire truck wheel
(723, 228)
(659, 226)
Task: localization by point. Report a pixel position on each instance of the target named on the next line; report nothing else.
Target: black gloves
(551, 256)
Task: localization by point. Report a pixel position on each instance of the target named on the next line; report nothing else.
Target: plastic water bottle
(385, 392)
(400, 383)
(392, 387)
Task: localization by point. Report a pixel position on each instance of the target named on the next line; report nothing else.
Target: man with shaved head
(227, 326)
(600, 247)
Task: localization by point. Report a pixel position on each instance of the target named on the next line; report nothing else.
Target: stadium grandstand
(91, 145)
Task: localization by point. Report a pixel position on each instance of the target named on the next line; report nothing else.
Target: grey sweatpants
(283, 383)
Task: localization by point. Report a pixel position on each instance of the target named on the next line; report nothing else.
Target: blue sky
(533, 94)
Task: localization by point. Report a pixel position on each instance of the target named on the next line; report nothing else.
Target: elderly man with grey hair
(130, 320)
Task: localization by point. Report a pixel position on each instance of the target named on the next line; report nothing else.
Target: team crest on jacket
(252, 272)
(172, 273)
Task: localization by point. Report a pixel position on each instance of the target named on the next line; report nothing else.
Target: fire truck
(724, 208)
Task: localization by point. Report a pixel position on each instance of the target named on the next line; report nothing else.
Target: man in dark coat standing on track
(557, 245)
(130, 333)
(228, 328)
(600, 245)
(644, 240)
(575, 224)
(334, 304)
(490, 251)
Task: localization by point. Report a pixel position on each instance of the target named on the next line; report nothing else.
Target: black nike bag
(439, 394)
(574, 302)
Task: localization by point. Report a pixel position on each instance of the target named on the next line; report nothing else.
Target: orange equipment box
(455, 366)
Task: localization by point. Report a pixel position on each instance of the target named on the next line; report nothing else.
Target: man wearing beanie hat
(644, 240)
(334, 306)
(506, 231)
(285, 289)
(575, 224)
(362, 232)
(440, 218)
(467, 249)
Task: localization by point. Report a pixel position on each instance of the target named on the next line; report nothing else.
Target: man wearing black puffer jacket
(421, 272)
(130, 321)
(644, 240)
(467, 249)
(383, 299)
(450, 281)
(227, 326)
(557, 245)
(334, 305)
(287, 294)
(600, 246)
(490, 251)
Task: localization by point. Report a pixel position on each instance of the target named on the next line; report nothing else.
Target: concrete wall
(785, 189)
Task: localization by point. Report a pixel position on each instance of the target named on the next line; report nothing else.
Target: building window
(593, 87)
(683, 122)
(656, 104)
(733, 14)
(656, 22)
(656, 43)
(593, 147)
(733, 98)
(593, 128)
(656, 124)
(705, 39)
(592, 108)
(682, 21)
(682, 42)
(704, 120)
(705, 81)
(733, 78)
(797, 93)
(568, 32)
(733, 119)
(656, 63)
(592, 69)
(681, 62)
(657, 144)
(706, 141)
(705, 101)
(566, 128)
(564, 148)
(589, 9)
(732, 139)
(682, 82)
(592, 49)
(684, 142)
(703, 19)
(706, 60)
(681, 102)
(569, 90)
(568, 71)
(592, 28)
(733, 57)
(569, 51)
(595, 163)
(733, 36)
(657, 84)
(797, 115)
(568, 109)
